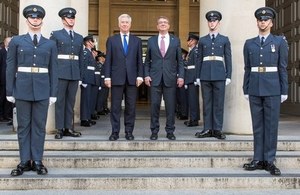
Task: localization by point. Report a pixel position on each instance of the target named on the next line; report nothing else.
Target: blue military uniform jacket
(214, 70)
(90, 64)
(31, 86)
(273, 53)
(191, 67)
(69, 69)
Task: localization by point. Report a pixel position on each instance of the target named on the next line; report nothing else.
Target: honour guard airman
(31, 77)
(70, 57)
(215, 65)
(192, 81)
(88, 83)
(266, 87)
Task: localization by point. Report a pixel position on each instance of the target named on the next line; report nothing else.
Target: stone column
(53, 22)
(238, 24)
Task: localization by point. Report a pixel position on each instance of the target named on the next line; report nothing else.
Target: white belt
(210, 58)
(90, 67)
(97, 73)
(67, 57)
(33, 69)
(263, 69)
(190, 67)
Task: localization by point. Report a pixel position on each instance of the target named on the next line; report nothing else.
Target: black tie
(262, 41)
(213, 37)
(71, 34)
(35, 41)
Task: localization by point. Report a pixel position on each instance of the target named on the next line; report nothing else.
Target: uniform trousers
(265, 111)
(65, 103)
(31, 117)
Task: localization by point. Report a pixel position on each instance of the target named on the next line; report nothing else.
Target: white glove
(185, 86)
(228, 81)
(283, 98)
(99, 88)
(197, 82)
(79, 83)
(84, 85)
(11, 99)
(246, 97)
(52, 100)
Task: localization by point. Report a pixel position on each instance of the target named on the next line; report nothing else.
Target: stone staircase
(160, 166)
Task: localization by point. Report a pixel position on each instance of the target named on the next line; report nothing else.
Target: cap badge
(263, 12)
(34, 9)
(70, 11)
(211, 14)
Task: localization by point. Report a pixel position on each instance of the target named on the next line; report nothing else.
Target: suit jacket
(31, 86)
(119, 66)
(214, 70)
(169, 68)
(273, 53)
(3, 54)
(191, 75)
(69, 69)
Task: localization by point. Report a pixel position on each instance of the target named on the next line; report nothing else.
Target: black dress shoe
(59, 134)
(171, 136)
(92, 122)
(181, 117)
(72, 133)
(23, 166)
(85, 123)
(95, 117)
(39, 168)
(272, 169)
(114, 137)
(191, 123)
(253, 165)
(204, 133)
(218, 134)
(154, 136)
(129, 136)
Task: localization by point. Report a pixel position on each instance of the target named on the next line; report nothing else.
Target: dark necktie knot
(213, 37)
(35, 40)
(262, 41)
(125, 44)
(71, 34)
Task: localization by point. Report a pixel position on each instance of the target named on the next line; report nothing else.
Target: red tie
(162, 46)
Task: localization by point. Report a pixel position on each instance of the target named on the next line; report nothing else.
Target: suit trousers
(66, 96)
(31, 117)
(130, 93)
(213, 94)
(265, 113)
(169, 95)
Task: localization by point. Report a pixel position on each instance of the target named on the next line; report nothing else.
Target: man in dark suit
(215, 67)
(5, 106)
(31, 82)
(164, 71)
(266, 87)
(70, 61)
(123, 74)
(192, 81)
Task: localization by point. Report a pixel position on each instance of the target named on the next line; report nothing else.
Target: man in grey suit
(164, 70)
(70, 62)
(265, 86)
(31, 83)
(123, 74)
(215, 66)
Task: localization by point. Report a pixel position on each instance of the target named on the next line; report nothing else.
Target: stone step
(145, 145)
(150, 179)
(149, 159)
